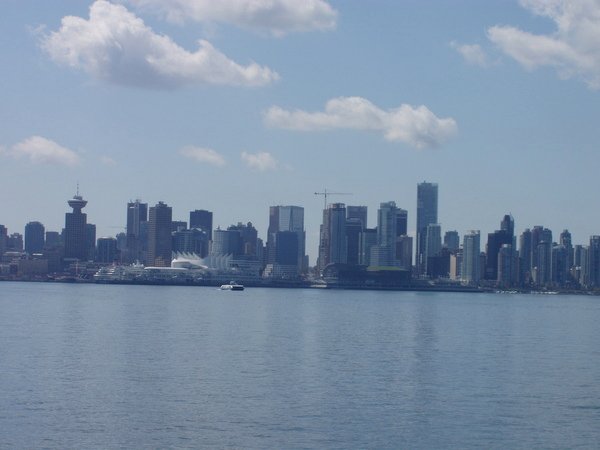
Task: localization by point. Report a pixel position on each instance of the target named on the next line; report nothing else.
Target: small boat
(232, 286)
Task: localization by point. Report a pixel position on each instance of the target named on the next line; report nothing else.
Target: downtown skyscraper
(76, 243)
(286, 238)
(427, 213)
(159, 235)
(137, 230)
(333, 243)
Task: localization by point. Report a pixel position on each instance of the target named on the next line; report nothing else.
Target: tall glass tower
(427, 213)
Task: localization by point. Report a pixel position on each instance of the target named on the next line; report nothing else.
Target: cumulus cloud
(40, 150)
(276, 17)
(116, 46)
(573, 50)
(418, 127)
(260, 161)
(203, 155)
(472, 53)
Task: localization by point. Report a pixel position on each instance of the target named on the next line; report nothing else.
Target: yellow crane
(325, 193)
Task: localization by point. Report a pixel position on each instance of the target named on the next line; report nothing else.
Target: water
(95, 366)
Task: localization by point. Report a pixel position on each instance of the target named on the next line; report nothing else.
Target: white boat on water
(232, 286)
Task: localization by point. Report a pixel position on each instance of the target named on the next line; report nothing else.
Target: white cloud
(116, 46)
(472, 53)
(40, 150)
(418, 127)
(277, 17)
(203, 155)
(107, 161)
(261, 161)
(573, 50)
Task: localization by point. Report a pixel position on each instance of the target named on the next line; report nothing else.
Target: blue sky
(215, 105)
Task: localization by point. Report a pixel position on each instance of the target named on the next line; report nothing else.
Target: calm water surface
(92, 366)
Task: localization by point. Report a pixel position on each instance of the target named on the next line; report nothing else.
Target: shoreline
(309, 285)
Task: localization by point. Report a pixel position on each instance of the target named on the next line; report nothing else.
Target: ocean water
(97, 366)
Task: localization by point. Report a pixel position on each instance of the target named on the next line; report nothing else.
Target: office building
(333, 244)
(247, 241)
(359, 213)
(427, 213)
(525, 277)
(106, 252)
(433, 248)
(178, 225)
(566, 241)
(34, 237)
(368, 239)
(496, 240)
(560, 266)
(159, 235)
(593, 263)
(471, 260)
(354, 228)
(190, 241)
(137, 231)
(287, 218)
(3, 239)
(75, 233)
(202, 220)
(452, 241)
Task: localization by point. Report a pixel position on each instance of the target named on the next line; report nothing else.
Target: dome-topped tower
(77, 203)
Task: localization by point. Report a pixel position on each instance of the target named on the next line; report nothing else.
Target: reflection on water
(131, 366)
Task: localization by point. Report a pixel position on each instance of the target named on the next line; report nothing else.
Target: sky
(237, 105)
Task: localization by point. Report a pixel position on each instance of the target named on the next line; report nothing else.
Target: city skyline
(132, 220)
(403, 93)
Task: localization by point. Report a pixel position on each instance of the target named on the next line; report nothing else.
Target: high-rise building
(75, 237)
(368, 239)
(496, 240)
(401, 222)
(427, 213)
(471, 261)
(137, 236)
(565, 240)
(203, 220)
(404, 252)
(15, 242)
(106, 250)
(333, 244)
(392, 241)
(541, 255)
(247, 240)
(525, 257)
(357, 212)
(543, 266)
(452, 241)
(593, 263)
(178, 225)
(52, 239)
(433, 248)
(560, 266)
(384, 253)
(190, 241)
(3, 239)
(507, 266)
(34, 237)
(90, 237)
(354, 228)
(286, 218)
(159, 235)
(227, 242)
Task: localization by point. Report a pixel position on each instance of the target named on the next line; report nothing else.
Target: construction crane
(325, 193)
